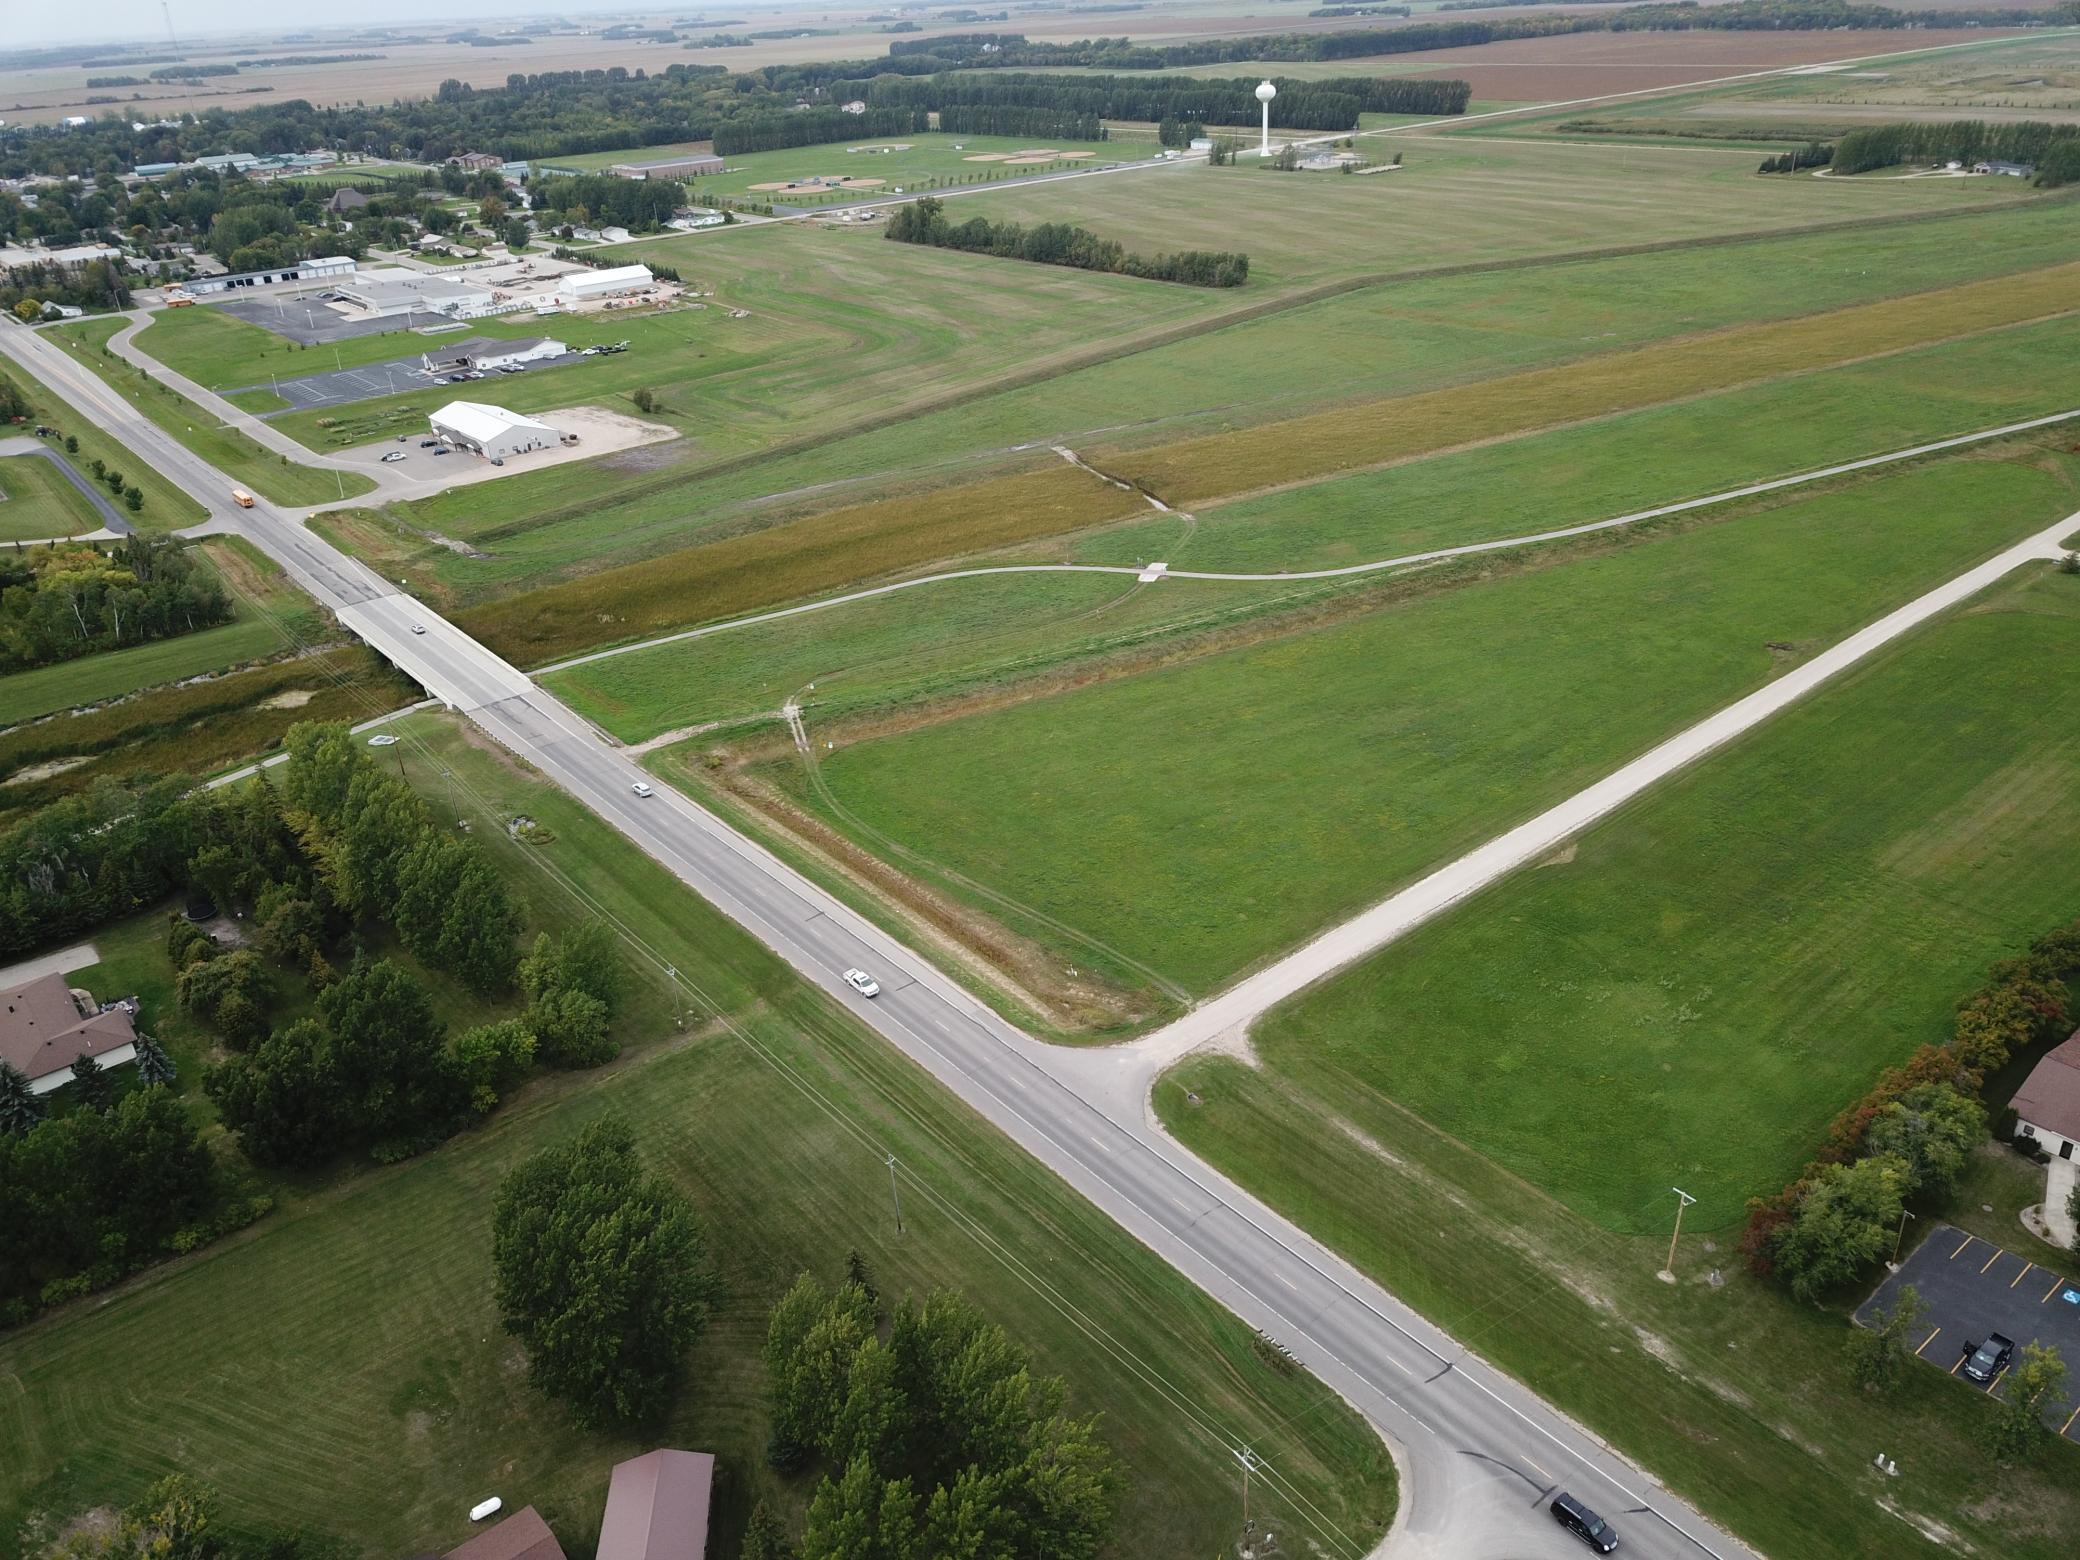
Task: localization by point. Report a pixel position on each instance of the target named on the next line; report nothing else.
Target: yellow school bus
(242, 498)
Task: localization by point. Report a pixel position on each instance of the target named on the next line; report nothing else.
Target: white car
(642, 788)
(383, 739)
(393, 455)
(863, 983)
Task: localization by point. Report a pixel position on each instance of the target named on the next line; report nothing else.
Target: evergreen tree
(155, 1068)
(91, 1085)
(20, 1106)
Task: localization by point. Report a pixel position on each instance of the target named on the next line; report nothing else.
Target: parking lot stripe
(1961, 1245)
(2027, 1268)
(1960, 1361)
(1996, 1380)
(1925, 1342)
(2056, 1285)
(1997, 1255)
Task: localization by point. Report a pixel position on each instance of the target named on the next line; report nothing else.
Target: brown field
(1580, 65)
(788, 562)
(1195, 471)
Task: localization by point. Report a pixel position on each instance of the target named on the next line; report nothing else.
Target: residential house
(46, 1026)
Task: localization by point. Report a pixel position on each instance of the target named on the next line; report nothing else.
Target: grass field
(1268, 790)
(373, 1384)
(273, 477)
(270, 616)
(1687, 995)
(36, 501)
(165, 506)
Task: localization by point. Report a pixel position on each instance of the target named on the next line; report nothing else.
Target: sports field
(1268, 790)
(353, 1329)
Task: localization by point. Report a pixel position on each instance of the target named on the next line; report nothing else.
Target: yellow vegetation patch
(788, 562)
(1372, 432)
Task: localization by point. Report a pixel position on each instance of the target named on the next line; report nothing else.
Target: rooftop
(477, 421)
(2049, 1098)
(43, 1030)
(522, 1536)
(657, 1507)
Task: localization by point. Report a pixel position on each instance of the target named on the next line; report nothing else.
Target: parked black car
(1984, 1361)
(1585, 1524)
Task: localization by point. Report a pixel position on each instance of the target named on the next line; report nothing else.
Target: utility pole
(896, 1192)
(671, 973)
(1252, 1546)
(1899, 1239)
(1667, 1275)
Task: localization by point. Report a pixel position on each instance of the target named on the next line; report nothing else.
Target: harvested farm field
(1580, 65)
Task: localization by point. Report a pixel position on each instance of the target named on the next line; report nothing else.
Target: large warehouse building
(388, 290)
(668, 168)
(492, 431)
(329, 268)
(584, 286)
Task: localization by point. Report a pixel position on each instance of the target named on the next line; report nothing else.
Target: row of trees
(99, 284)
(640, 205)
(1814, 154)
(939, 1438)
(72, 599)
(1058, 243)
(2051, 148)
(1908, 1140)
(1039, 124)
(1330, 104)
(770, 132)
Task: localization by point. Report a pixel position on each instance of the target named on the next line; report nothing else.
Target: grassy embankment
(37, 502)
(356, 1374)
(1685, 996)
(270, 615)
(1271, 789)
(166, 507)
(940, 640)
(274, 477)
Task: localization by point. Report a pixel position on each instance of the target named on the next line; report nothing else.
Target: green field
(930, 162)
(273, 477)
(1686, 996)
(165, 506)
(36, 502)
(1274, 788)
(358, 1385)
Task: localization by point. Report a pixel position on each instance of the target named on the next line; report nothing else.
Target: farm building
(228, 162)
(668, 168)
(346, 200)
(522, 1536)
(475, 162)
(491, 431)
(331, 267)
(2047, 1106)
(583, 286)
(657, 1507)
(46, 1026)
(488, 352)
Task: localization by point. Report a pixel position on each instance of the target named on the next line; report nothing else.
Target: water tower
(1265, 93)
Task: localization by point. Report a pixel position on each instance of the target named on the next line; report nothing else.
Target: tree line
(1909, 1139)
(72, 599)
(598, 199)
(812, 127)
(99, 284)
(2052, 149)
(1039, 124)
(1058, 243)
(1331, 104)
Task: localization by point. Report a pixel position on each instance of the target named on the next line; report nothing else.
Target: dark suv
(1984, 1361)
(1585, 1524)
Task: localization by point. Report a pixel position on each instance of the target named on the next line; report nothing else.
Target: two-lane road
(1478, 1452)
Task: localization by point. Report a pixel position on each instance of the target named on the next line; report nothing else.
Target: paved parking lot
(304, 317)
(342, 386)
(1970, 1287)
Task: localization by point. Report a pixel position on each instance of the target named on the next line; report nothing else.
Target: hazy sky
(30, 23)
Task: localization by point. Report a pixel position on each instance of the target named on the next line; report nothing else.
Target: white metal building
(392, 289)
(330, 267)
(491, 431)
(581, 286)
(489, 352)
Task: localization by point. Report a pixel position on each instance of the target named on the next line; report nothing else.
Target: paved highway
(1479, 1454)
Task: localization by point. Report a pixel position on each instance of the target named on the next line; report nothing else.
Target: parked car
(863, 983)
(427, 444)
(394, 455)
(1583, 1523)
(404, 438)
(440, 449)
(1985, 1361)
(642, 788)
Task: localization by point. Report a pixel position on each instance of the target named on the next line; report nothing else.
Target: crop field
(271, 476)
(36, 501)
(377, 1354)
(1270, 789)
(1454, 201)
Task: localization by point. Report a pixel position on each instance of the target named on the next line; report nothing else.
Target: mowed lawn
(340, 1367)
(38, 501)
(1202, 817)
(1703, 982)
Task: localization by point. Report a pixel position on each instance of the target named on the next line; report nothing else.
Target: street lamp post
(1667, 1275)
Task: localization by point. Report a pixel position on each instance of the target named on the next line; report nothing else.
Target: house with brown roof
(46, 1026)
(2047, 1106)
(657, 1507)
(346, 199)
(522, 1536)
